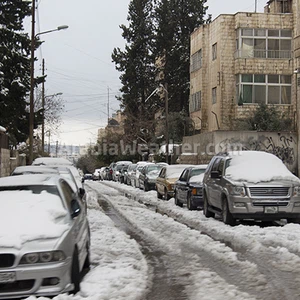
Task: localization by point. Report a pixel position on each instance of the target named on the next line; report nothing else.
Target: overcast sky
(78, 60)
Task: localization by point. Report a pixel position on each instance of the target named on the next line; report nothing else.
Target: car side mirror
(82, 180)
(215, 174)
(75, 208)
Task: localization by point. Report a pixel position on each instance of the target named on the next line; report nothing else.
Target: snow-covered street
(145, 248)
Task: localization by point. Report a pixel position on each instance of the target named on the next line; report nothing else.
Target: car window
(67, 192)
(184, 175)
(162, 173)
(221, 166)
(216, 164)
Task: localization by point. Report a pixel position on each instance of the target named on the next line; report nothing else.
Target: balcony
(263, 54)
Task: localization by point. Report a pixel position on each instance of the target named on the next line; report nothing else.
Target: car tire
(166, 195)
(177, 202)
(226, 215)
(75, 272)
(207, 213)
(146, 187)
(159, 196)
(190, 206)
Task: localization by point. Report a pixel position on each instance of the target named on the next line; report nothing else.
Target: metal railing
(271, 54)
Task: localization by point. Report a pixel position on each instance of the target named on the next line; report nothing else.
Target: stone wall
(200, 148)
(4, 162)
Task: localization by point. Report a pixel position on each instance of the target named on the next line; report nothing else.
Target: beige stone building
(241, 60)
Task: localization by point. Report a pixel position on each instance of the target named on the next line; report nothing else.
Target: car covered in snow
(188, 187)
(148, 175)
(166, 180)
(44, 237)
(250, 185)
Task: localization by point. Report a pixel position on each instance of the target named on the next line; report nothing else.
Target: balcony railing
(265, 54)
(4, 141)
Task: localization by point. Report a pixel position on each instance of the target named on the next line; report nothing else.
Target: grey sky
(78, 60)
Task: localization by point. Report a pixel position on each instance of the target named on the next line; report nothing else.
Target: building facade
(240, 61)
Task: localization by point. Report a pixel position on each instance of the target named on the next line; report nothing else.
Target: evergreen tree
(136, 63)
(14, 69)
(176, 20)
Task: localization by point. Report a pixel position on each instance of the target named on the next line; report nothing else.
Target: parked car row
(53, 248)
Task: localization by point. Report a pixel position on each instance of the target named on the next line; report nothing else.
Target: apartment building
(239, 61)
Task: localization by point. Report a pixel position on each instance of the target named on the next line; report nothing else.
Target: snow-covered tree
(14, 69)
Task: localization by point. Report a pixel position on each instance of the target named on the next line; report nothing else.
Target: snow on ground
(120, 271)
(281, 242)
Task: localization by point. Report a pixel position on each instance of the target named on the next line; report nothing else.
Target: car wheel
(207, 213)
(190, 206)
(75, 272)
(166, 195)
(226, 215)
(177, 202)
(146, 187)
(159, 196)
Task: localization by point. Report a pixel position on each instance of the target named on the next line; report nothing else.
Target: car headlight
(237, 190)
(297, 191)
(42, 257)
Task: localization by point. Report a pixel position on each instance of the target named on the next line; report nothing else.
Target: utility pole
(107, 105)
(43, 106)
(167, 122)
(31, 103)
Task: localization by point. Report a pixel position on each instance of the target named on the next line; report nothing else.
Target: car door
(213, 184)
(79, 223)
(160, 181)
(181, 185)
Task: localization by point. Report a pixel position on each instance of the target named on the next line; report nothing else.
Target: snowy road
(149, 249)
(203, 258)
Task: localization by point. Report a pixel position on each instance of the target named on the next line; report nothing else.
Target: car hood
(31, 218)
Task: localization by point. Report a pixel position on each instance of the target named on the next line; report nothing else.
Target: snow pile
(2, 129)
(258, 166)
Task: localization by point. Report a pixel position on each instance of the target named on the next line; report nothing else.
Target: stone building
(239, 61)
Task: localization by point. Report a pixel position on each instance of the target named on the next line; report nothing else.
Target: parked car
(96, 175)
(188, 188)
(250, 185)
(110, 171)
(166, 180)
(131, 174)
(47, 246)
(87, 176)
(104, 173)
(25, 170)
(148, 176)
(117, 168)
(135, 178)
(123, 173)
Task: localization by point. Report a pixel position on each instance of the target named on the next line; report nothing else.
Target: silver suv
(250, 185)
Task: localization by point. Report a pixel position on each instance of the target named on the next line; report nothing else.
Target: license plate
(7, 277)
(271, 209)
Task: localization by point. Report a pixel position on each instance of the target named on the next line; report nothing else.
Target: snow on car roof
(27, 216)
(174, 171)
(34, 170)
(51, 161)
(29, 179)
(257, 166)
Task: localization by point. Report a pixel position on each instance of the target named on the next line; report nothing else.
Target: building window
(264, 89)
(214, 51)
(214, 95)
(196, 61)
(264, 43)
(195, 102)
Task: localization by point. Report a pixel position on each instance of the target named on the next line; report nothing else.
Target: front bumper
(30, 280)
(197, 200)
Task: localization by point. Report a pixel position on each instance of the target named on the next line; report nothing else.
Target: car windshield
(196, 172)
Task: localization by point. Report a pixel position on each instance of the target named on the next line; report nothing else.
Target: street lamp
(43, 117)
(31, 103)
